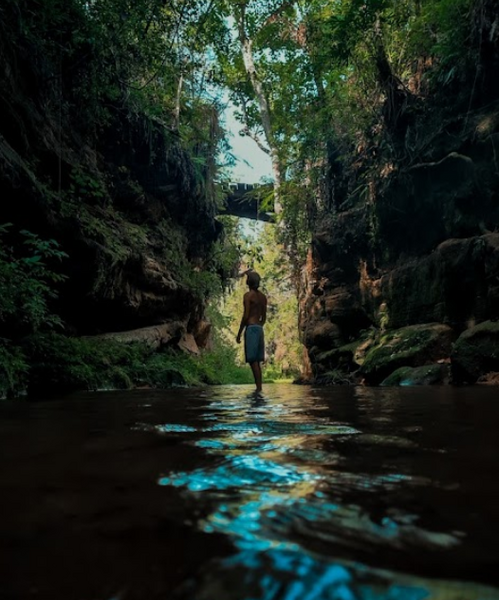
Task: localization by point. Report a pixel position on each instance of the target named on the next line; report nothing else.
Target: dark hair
(253, 280)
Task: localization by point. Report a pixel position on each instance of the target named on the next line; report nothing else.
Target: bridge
(245, 200)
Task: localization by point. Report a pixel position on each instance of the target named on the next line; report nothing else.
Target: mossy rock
(476, 353)
(426, 375)
(412, 346)
(341, 364)
(337, 358)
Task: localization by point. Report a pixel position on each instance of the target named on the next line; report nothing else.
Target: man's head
(253, 280)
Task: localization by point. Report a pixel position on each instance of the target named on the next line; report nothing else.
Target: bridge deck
(245, 200)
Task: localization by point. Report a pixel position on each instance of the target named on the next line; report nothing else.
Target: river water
(217, 494)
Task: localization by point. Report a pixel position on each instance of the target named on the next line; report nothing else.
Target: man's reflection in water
(257, 400)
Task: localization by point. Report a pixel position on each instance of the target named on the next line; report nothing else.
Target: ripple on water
(274, 427)
(303, 495)
(291, 488)
(288, 574)
(240, 472)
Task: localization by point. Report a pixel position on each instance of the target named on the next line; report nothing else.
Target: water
(216, 494)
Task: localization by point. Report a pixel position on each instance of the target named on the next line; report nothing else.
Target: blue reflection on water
(246, 470)
(273, 485)
(293, 575)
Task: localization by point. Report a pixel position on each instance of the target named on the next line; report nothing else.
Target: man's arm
(264, 310)
(244, 319)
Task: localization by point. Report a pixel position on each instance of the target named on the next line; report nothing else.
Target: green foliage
(27, 286)
(441, 30)
(85, 186)
(63, 364)
(320, 65)
(329, 71)
(224, 356)
(27, 282)
(14, 369)
(51, 363)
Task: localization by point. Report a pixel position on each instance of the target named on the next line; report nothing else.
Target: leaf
(32, 259)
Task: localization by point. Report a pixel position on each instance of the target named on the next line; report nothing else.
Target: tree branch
(247, 131)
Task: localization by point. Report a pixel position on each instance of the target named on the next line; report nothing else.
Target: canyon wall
(402, 280)
(130, 204)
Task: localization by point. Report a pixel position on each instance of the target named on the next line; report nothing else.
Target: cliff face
(418, 246)
(131, 207)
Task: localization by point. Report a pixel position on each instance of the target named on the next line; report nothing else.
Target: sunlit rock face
(419, 247)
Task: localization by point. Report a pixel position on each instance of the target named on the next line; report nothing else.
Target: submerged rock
(426, 375)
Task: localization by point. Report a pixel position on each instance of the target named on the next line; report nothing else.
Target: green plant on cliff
(27, 282)
(27, 287)
(328, 87)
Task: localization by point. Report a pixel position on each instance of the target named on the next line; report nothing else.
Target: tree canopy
(330, 89)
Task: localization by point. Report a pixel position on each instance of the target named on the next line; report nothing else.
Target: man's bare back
(255, 305)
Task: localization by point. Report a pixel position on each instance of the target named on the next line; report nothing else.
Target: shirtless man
(253, 320)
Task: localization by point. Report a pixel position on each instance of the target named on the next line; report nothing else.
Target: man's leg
(257, 374)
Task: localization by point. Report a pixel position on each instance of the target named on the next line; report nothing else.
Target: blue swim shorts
(254, 344)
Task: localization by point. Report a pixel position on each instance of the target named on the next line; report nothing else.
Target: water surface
(218, 494)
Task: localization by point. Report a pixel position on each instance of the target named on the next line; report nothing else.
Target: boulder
(188, 344)
(155, 336)
(426, 375)
(341, 359)
(476, 353)
(412, 346)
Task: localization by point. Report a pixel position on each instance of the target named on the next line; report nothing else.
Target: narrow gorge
(384, 148)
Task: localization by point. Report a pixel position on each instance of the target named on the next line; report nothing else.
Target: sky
(252, 164)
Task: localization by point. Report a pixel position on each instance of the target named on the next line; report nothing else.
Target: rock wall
(131, 207)
(418, 248)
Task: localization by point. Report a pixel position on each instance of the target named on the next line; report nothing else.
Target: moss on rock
(342, 365)
(412, 346)
(426, 375)
(476, 353)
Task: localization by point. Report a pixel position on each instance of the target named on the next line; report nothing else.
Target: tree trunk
(178, 98)
(263, 106)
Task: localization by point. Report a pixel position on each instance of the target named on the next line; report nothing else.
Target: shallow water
(217, 494)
